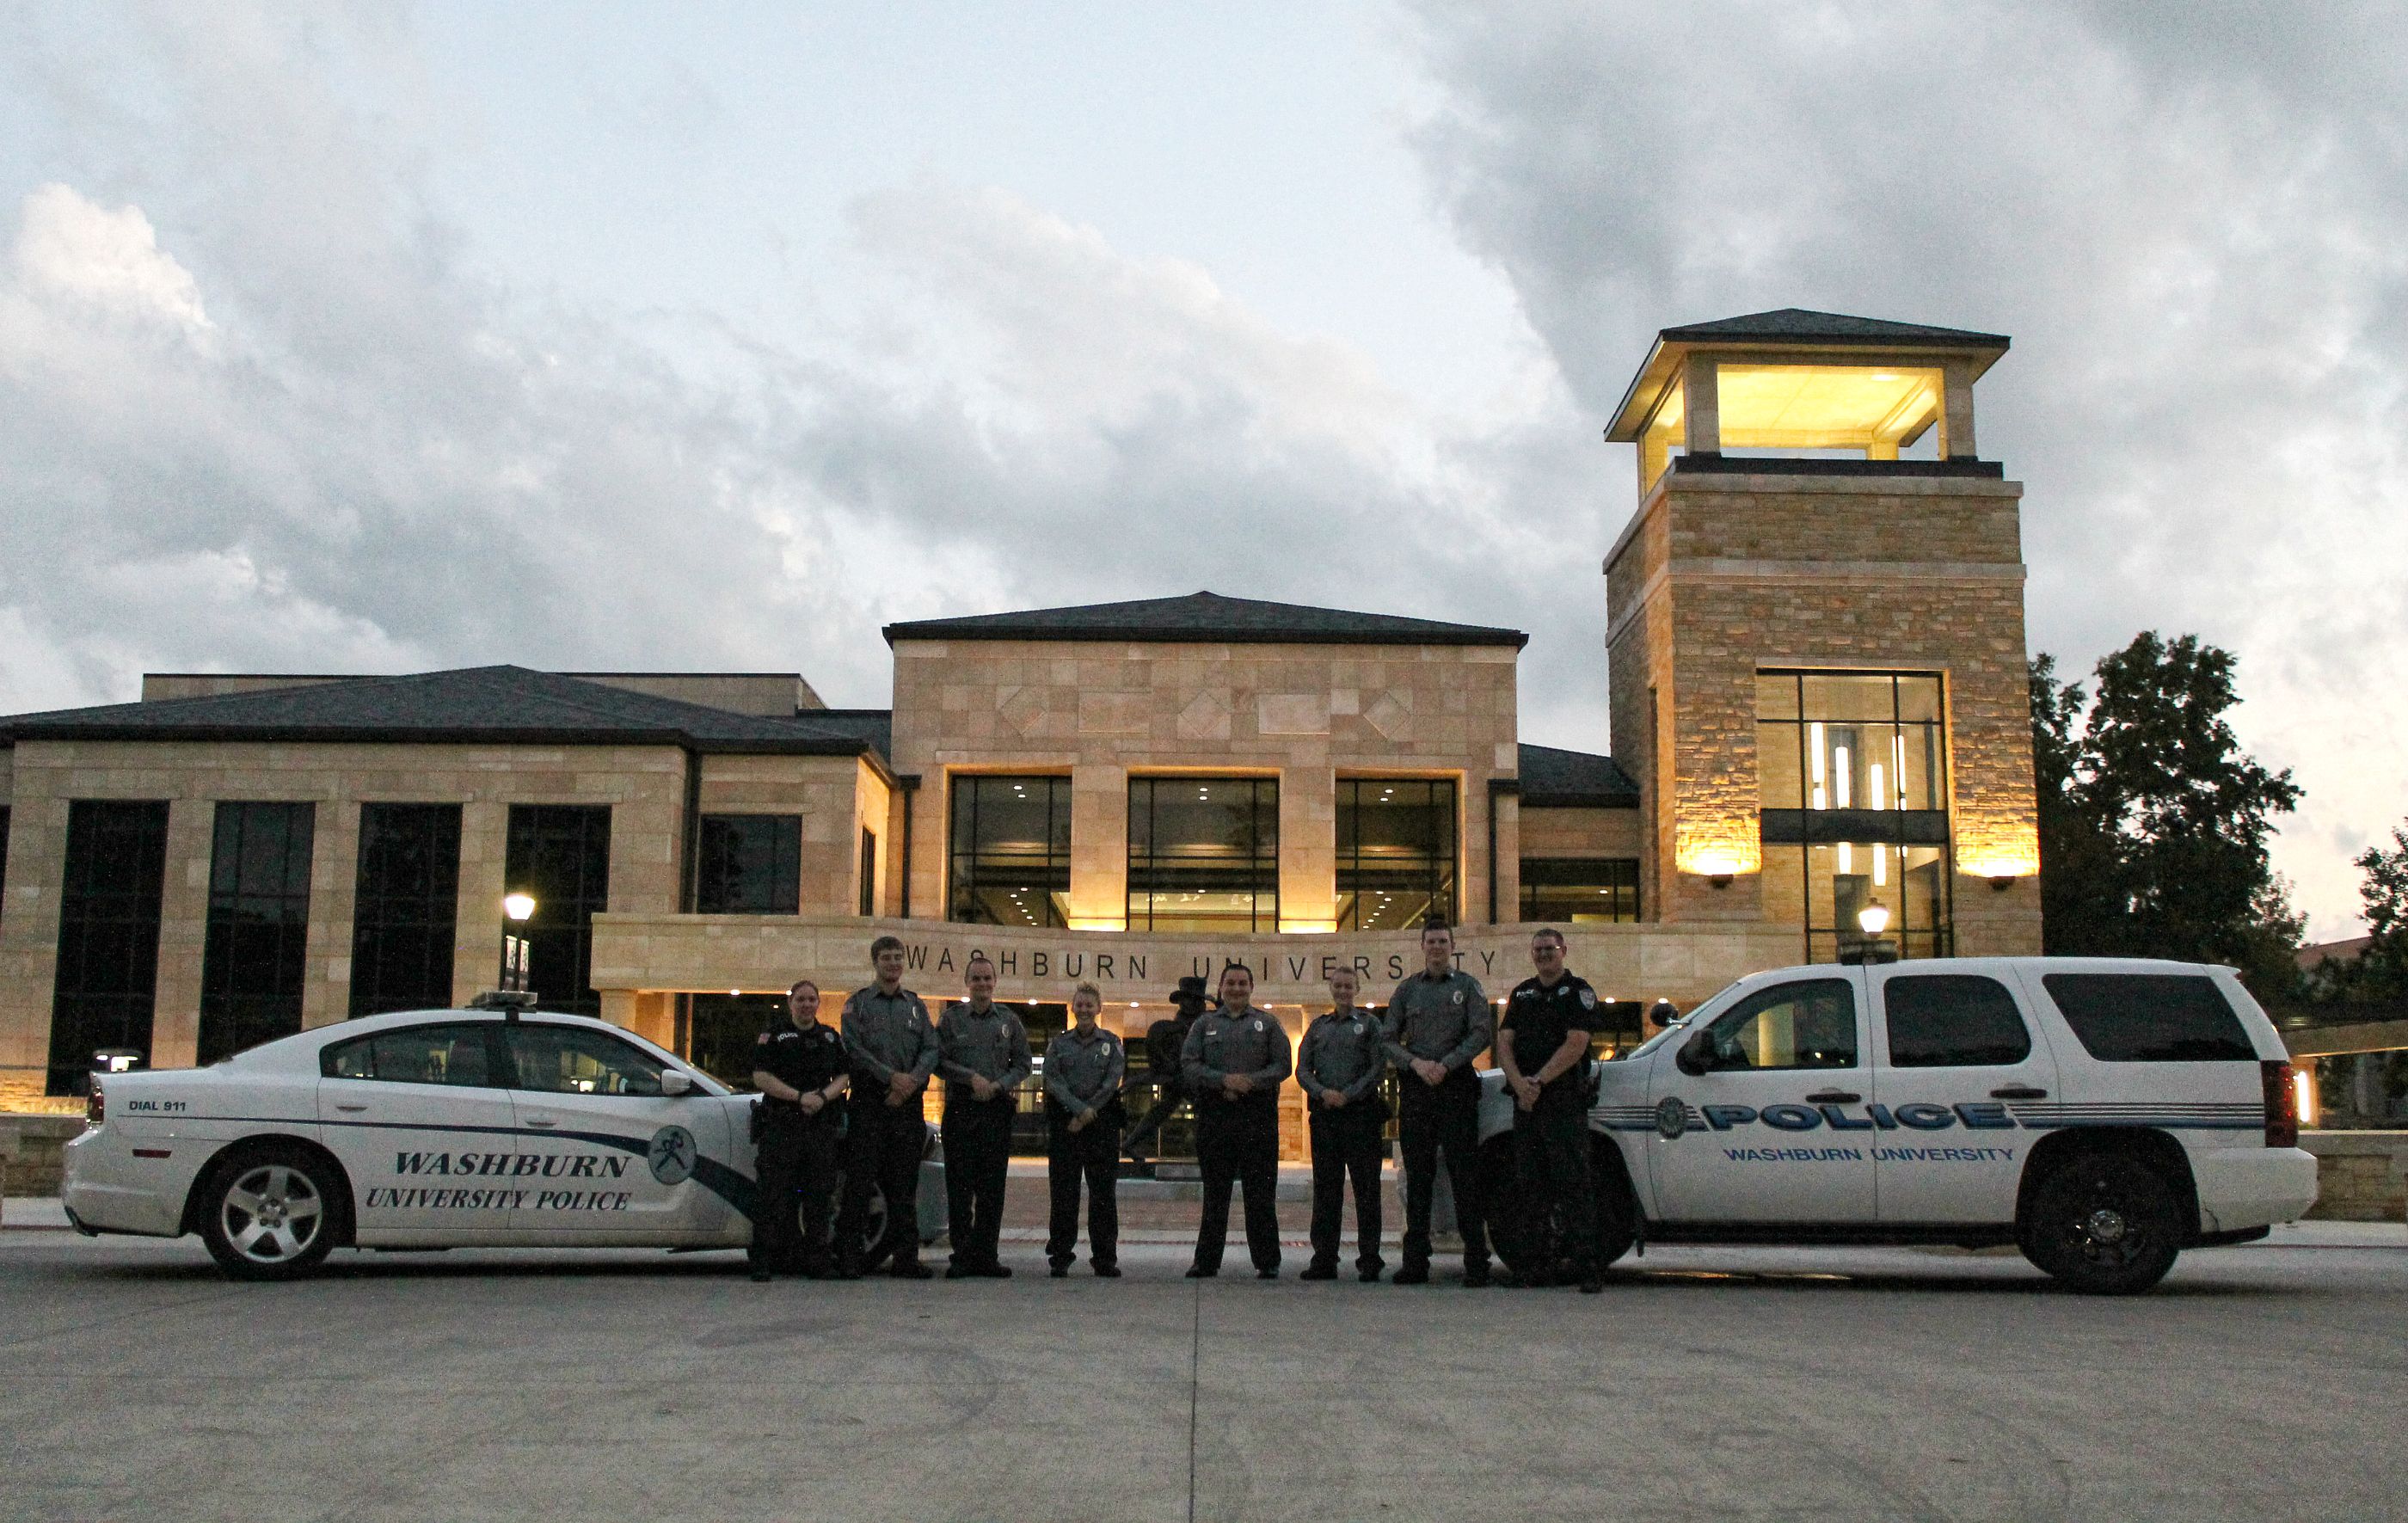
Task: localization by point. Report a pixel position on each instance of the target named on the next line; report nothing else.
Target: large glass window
(1808, 1025)
(721, 1031)
(573, 1060)
(455, 1053)
(559, 854)
(1854, 795)
(1556, 890)
(750, 865)
(108, 973)
(256, 949)
(4, 859)
(1203, 854)
(1396, 853)
(406, 909)
(1011, 850)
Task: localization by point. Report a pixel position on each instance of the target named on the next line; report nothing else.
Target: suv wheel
(269, 1214)
(2104, 1224)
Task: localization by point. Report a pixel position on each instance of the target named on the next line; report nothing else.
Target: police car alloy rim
(2107, 1232)
(271, 1214)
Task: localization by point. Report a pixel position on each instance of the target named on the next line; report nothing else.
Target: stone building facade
(1124, 793)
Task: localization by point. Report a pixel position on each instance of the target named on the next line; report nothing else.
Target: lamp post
(516, 910)
(1871, 946)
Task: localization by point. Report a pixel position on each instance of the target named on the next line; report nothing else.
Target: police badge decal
(1671, 1118)
(672, 1154)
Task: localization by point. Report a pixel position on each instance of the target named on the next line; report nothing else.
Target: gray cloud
(2189, 218)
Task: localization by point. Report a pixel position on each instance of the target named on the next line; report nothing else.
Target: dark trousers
(1551, 1154)
(977, 1162)
(1346, 1144)
(1089, 1156)
(881, 1151)
(1431, 1119)
(796, 1158)
(1237, 1141)
(1166, 1099)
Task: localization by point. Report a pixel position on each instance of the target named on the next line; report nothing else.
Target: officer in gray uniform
(891, 1046)
(1339, 1064)
(983, 1056)
(1083, 1067)
(1234, 1061)
(1438, 1022)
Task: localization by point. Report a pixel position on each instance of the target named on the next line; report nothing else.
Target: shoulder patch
(761, 1041)
(1588, 999)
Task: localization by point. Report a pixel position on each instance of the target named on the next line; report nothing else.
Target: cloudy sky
(583, 336)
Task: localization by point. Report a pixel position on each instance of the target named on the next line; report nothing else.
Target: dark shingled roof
(1797, 325)
(1556, 779)
(1207, 618)
(491, 704)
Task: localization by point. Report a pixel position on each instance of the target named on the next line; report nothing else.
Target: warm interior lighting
(518, 906)
(1840, 776)
(1880, 864)
(1824, 407)
(1872, 919)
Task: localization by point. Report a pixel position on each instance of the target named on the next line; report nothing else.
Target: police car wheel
(1617, 1213)
(2103, 1225)
(1515, 1236)
(269, 1214)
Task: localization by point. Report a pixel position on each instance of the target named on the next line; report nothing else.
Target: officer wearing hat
(798, 1066)
(1233, 1063)
(1340, 1065)
(1164, 1040)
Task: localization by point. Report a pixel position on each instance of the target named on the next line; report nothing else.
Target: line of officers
(1227, 1059)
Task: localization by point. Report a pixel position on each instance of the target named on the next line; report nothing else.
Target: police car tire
(2102, 1224)
(294, 1243)
(1522, 1239)
(1618, 1226)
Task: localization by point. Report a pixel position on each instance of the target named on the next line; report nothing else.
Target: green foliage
(2381, 971)
(2154, 823)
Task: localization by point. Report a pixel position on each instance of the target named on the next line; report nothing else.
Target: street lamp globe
(1874, 919)
(518, 906)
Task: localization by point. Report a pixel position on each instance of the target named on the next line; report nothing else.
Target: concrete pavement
(1727, 1382)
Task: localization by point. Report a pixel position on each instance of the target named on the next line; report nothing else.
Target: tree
(2154, 823)
(2382, 969)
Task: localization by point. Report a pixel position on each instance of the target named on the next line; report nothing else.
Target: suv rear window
(2150, 1017)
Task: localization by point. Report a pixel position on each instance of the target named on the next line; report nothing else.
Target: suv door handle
(1833, 1096)
(542, 1121)
(2018, 1092)
(348, 1109)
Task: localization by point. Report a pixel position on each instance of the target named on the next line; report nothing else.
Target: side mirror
(1697, 1055)
(676, 1082)
(1663, 1015)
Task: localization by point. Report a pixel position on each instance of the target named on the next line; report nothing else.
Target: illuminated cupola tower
(1815, 637)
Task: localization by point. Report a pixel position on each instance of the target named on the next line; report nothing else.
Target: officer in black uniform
(1439, 1023)
(1543, 1045)
(1163, 1041)
(1339, 1065)
(891, 1046)
(798, 1065)
(1083, 1067)
(1233, 1063)
(982, 1053)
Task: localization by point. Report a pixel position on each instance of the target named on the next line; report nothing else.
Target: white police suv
(2099, 1115)
(425, 1129)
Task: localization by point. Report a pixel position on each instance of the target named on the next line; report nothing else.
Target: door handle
(2018, 1092)
(542, 1121)
(348, 1110)
(1833, 1096)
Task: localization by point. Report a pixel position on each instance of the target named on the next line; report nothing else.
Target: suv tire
(2104, 1224)
(270, 1213)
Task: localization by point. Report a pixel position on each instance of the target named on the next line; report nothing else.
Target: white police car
(2100, 1114)
(425, 1130)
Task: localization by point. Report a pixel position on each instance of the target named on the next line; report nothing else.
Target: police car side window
(1807, 1025)
(1951, 1020)
(2150, 1017)
(453, 1053)
(572, 1061)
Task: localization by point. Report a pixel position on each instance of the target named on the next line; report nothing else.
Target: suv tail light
(2282, 1103)
(95, 1105)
